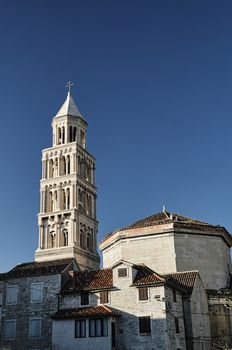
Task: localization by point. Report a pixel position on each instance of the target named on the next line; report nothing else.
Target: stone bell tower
(67, 218)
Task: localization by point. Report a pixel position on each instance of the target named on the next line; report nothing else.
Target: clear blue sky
(153, 80)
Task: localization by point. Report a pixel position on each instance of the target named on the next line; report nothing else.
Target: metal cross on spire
(69, 85)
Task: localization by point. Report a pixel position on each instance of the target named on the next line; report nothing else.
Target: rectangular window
(10, 329)
(35, 327)
(36, 292)
(177, 326)
(144, 325)
(84, 298)
(98, 327)
(174, 295)
(80, 329)
(11, 295)
(104, 297)
(122, 272)
(143, 293)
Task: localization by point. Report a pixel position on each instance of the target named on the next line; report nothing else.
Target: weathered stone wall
(154, 250)
(220, 309)
(25, 309)
(174, 310)
(208, 254)
(67, 328)
(197, 323)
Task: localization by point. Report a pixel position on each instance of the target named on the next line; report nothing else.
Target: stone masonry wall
(25, 309)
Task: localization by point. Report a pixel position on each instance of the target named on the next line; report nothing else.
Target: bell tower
(67, 218)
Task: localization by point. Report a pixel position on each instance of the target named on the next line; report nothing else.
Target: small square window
(10, 329)
(84, 298)
(104, 297)
(177, 325)
(122, 272)
(145, 325)
(98, 327)
(143, 293)
(36, 292)
(80, 329)
(11, 295)
(35, 327)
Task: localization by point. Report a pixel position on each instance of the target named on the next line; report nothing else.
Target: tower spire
(67, 219)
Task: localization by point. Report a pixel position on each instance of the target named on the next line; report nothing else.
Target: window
(11, 295)
(35, 327)
(174, 295)
(98, 327)
(122, 272)
(177, 326)
(36, 292)
(144, 325)
(84, 298)
(104, 297)
(143, 293)
(10, 329)
(80, 329)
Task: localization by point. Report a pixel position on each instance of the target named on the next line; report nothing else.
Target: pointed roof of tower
(69, 108)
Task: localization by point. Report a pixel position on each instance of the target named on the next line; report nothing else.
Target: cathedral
(165, 282)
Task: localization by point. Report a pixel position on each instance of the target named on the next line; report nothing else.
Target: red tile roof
(90, 280)
(163, 217)
(178, 221)
(43, 268)
(146, 276)
(185, 279)
(83, 312)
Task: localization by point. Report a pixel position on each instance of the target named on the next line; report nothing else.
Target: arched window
(88, 242)
(63, 199)
(82, 138)
(74, 133)
(82, 239)
(89, 173)
(59, 137)
(55, 167)
(63, 134)
(51, 168)
(54, 202)
(70, 134)
(90, 205)
(50, 201)
(53, 238)
(62, 166)
(65, 234)
(80, 196)
(68, 198)
(68, 164)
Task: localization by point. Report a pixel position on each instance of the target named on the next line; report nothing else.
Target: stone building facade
(125, 307)
(169, 242)
(29, 298)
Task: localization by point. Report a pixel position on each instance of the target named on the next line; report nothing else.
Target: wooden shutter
(143, 293)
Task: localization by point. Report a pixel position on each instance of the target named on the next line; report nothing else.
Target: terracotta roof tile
(146, 276)
(179, 222)
(185, 279)
(43, 268)
(162, 218)
(90, 280)
(84, 312)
